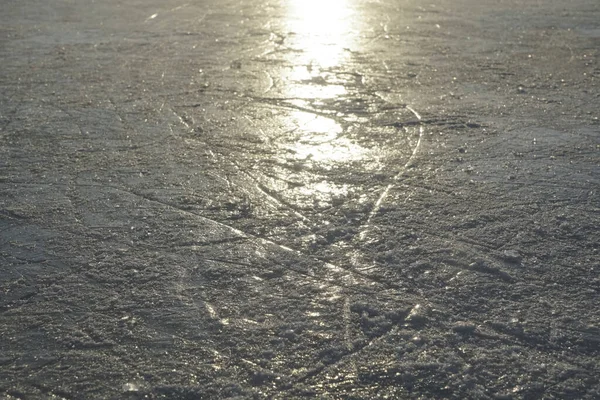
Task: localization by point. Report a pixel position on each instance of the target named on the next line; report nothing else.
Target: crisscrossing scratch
(389, 187)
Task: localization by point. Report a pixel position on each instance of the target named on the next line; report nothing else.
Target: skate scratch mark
(187, 122)
(273, 197)
(184, 120)
(389, 187)
(348, 335)
(266, 191)
(350, 357)
(335, 279)
(180, 7)
(271, 82)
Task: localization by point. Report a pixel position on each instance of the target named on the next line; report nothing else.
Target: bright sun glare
(322, 32)
(323, 28)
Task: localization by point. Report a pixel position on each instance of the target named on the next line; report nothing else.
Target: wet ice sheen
(323, 29)
(317, 139)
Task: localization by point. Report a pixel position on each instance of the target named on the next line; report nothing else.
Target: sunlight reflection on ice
(319, 141)
(321, 34)
(323, 27)
(306, 80)
(338, 150)
(324, 193)
(326, 187)
(312, 124)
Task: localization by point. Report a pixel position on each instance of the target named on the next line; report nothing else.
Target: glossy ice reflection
(307, 83)
(318, 140)
(322, 33)
(326, 187)
(315, 82)
(323, 29)
(311, 125)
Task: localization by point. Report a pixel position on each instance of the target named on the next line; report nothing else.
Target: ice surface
(334, 199)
